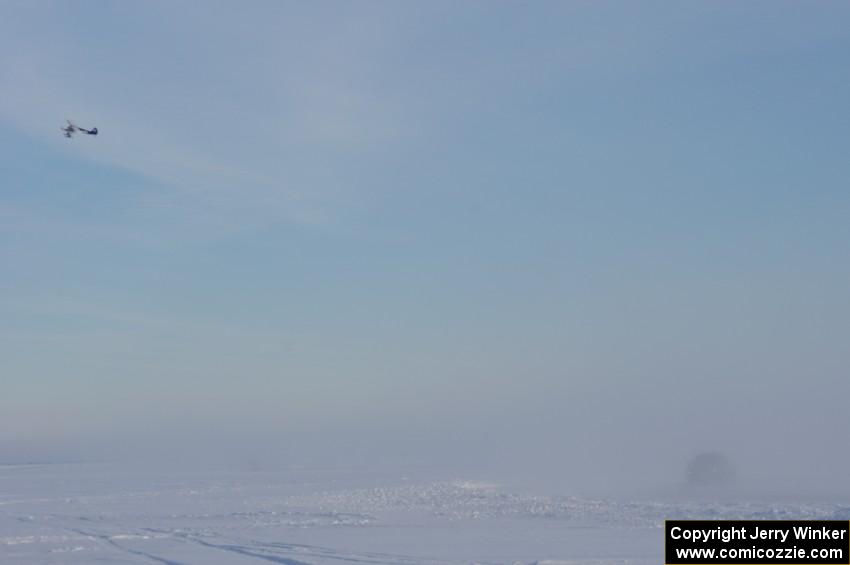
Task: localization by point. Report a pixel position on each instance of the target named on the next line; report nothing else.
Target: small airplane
(72, 128)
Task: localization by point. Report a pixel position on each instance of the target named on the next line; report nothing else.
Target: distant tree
(710, 469)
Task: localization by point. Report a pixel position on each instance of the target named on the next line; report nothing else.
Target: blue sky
(536, 220)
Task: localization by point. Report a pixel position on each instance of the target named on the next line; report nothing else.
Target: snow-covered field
(98, 513)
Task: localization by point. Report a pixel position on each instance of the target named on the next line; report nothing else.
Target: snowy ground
(96, 513)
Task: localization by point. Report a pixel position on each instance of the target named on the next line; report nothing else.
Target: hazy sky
(596, 233)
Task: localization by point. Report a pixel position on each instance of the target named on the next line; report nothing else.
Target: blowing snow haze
(579, 243)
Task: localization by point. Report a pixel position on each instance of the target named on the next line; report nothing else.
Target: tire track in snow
(109, 541)
(256, 549)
